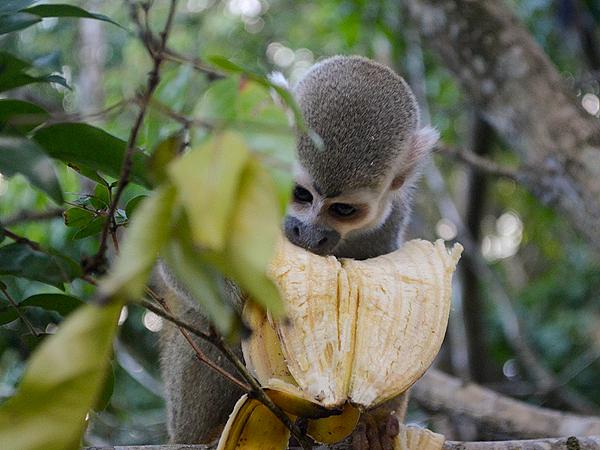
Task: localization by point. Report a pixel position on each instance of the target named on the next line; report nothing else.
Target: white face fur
(350, 212)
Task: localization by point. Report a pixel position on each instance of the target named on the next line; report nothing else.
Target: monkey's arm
(199, 400)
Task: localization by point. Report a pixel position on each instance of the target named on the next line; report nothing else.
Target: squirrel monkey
(352, 198)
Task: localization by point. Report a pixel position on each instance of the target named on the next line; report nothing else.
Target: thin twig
(185, 332)
(482, 164)
(79, 117)
(153, 81)
(14, 304)
(196, 63)
(32, 216)
(21, 239)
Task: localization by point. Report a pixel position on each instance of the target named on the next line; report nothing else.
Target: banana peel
(252, 426)
(357, 333)
(332, 429)
(415, 438)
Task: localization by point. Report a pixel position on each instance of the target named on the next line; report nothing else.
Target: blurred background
(549, 274)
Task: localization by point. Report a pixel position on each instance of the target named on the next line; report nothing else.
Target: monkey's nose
(322, 242)
(296, 231)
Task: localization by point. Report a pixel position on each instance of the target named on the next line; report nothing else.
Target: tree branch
(482, 164)
(439, 392)
(565, 443)
(153, 80)
(15, 305)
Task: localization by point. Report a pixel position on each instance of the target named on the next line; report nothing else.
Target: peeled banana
(357, 333)
(363, 331)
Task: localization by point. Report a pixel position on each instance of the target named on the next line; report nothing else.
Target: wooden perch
(566, 443)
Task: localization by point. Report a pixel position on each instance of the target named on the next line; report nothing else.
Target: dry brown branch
(439, 392)
(565, 443)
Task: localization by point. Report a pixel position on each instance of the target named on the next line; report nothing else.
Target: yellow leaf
(62, 382)
(207, 180)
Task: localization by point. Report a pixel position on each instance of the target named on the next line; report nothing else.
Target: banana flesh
(363, 331)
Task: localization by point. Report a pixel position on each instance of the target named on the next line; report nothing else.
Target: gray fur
(364, 113)
(380, 241)
(199, 400)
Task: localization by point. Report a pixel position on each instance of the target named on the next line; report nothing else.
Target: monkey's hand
(376, 432)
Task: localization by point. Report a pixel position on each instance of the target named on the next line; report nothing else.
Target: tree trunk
(521, 94)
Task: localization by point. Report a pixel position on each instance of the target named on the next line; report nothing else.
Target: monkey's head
(367, 118)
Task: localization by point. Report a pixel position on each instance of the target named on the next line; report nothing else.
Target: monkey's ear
(419, 148)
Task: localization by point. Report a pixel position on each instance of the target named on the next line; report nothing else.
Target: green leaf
(7, 315)
(18, 116)
(55, 10)
(201, 282)
(20, 155)
(12, 73)
(18, 21)
(88, 173)
(218, 104)
(254, 230)
(92, 228)
(92, 149)
(207, 180)
(287, 97)
(148, 232)
(77, 217)
(101, 197)
(63, 304)
(51, 267)
(133, 204)
(162, 155)
(10, 63)
(9, 6)
(62, 382)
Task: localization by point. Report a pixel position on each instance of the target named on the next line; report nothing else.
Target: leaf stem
(22, 316)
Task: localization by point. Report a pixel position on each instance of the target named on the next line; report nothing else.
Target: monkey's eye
(302, 195)
(342, 209)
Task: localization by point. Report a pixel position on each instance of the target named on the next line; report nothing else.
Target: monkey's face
(321, 222)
